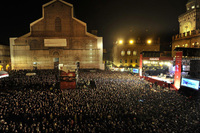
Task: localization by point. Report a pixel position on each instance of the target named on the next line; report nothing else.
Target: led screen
(135, 70)
(194, 84)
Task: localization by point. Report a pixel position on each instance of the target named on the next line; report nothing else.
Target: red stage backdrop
(141, 65)
(177, 78)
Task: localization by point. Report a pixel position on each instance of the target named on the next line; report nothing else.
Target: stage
(167, 80)
(161, 81)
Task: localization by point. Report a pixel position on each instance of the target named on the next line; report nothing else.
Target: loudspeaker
(194, 68)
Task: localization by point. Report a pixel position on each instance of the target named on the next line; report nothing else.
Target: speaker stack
(195, 68)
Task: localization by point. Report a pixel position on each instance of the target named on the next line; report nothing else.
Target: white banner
(55, 42)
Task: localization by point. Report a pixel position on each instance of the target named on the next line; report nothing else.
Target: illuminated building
(189, 36)
(126, 53)
(57, 38)
(4, 57)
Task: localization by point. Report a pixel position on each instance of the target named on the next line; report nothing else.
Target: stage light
(149, 41)
(146, 62)
(169, 64)
(131, 41)
(122, 70)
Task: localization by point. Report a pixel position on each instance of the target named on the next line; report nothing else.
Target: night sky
(112, 18)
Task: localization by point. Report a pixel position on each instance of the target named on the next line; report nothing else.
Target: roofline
(47, 4)
(57, 0)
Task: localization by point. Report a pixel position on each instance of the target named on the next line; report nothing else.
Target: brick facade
(57, 23)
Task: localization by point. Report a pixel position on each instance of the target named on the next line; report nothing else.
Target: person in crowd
(119, 103)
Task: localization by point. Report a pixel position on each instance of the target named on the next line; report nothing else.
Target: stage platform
(164, 82)
(168, 80)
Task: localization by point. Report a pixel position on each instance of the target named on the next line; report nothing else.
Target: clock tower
(190, 20)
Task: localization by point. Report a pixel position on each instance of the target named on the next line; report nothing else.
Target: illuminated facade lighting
(121, 41)
(131, 41)
(128, 52)
(186, 45)
(122, 53)
(149, 41)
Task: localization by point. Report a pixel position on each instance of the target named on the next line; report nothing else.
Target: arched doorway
(56, 59)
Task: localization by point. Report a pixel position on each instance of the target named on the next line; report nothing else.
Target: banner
(141, 65)
(55, 42)
(67, 80)
(178, 64)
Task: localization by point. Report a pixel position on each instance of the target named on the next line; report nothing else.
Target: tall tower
(190, 20)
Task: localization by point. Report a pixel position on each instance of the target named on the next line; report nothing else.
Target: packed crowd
(37, 79)
(120, 103)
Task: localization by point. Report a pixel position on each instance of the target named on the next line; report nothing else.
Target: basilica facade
(57, 38)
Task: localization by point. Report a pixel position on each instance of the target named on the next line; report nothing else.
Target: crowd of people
(119, 103)
(37, 79)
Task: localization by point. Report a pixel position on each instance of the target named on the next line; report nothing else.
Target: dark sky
(112, 18)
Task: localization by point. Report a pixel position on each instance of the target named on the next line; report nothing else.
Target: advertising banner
(55, 42)
(178, 64)
(67, 80)
(141, 65)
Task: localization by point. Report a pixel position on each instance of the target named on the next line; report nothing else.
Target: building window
(120, 60)
(186, 45)
(128, 52)
(131, 61)
(136, 61)
(196, 44)
(58, 27)
(125, 61)
(192, 44)
(193, 7)
(122, 53)
(134, 53)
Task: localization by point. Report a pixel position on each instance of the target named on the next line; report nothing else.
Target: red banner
(141, 65)
(67, 80)
(178, 65)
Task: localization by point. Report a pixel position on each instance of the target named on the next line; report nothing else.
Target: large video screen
(135, 70)
(194, 84)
